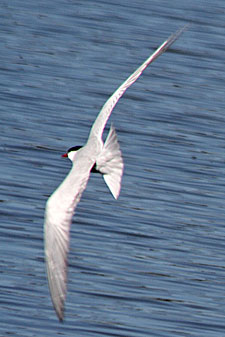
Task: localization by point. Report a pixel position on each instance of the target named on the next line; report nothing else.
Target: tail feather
(110, 163)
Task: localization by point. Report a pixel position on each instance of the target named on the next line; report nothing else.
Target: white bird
(94, 156)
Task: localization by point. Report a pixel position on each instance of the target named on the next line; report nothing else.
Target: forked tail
(110, 163)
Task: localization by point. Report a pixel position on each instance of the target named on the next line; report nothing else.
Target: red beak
(65, 155)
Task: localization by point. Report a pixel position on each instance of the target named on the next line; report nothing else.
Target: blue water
(151, 263)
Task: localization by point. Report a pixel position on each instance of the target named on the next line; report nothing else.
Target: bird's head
(71, 152)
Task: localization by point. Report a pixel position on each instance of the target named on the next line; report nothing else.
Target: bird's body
(95, 156)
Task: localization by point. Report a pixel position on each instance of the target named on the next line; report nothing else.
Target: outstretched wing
(60, 208)
(98, 126)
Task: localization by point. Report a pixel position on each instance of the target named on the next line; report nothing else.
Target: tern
(94, 156)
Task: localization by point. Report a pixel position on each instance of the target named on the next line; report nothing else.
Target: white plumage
(61, 205)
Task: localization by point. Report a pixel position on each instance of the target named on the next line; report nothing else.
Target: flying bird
(94, 156)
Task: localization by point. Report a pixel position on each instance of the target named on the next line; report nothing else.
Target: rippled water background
(151, 263)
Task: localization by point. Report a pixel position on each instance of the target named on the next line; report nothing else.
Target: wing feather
(60, 208)
(98, 126)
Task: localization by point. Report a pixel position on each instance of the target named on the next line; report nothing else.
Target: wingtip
(173, 37)
(60, 315)
(61, 319)
(182, 30)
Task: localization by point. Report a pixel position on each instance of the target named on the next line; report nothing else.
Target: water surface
(151, 263)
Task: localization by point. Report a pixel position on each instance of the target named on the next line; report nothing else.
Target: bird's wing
(98, 126)
(110, 163)
(60, 208)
